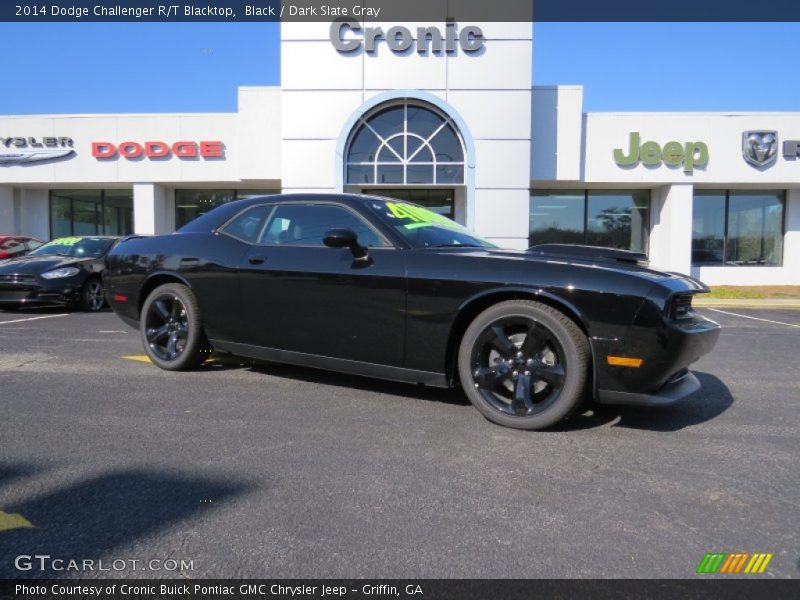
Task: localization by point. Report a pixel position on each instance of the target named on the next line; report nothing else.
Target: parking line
(33, 319)
(143, 358)
(12, 521)
(725, 312)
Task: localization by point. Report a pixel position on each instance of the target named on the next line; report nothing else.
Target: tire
(171, 328)
(92, 297)
(524, 364)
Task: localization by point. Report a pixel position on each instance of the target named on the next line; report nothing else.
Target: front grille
(682, 307)
(16, 278)
(13, 296)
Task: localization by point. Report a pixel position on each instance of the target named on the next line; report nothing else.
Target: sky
(196, 67)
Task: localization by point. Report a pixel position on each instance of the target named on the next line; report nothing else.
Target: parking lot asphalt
(260, 470)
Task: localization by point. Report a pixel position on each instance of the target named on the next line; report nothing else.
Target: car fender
(153, 280)
(481, 300)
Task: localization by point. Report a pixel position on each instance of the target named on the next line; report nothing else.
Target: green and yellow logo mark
(731, 564)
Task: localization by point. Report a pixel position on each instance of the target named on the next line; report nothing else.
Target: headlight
(61, 273)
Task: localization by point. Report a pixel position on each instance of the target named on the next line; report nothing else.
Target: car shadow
(710, 401)
(93, 518)
(393, 388)
(48, 309)
(12, 472)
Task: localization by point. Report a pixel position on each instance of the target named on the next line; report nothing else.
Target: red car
(12, 246)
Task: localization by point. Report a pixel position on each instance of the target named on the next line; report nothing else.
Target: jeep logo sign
(349, 36)
(652, 154)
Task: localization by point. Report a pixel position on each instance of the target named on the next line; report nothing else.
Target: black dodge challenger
(388, 289)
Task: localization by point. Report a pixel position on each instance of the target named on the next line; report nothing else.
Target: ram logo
(760, 148)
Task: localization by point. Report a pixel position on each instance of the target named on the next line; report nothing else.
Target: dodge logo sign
(156, 149)
(760, 148)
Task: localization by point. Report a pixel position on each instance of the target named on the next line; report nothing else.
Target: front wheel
(171, 328)
(93, 297)
(524, 364)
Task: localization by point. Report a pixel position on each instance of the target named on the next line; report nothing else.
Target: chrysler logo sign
(26, 150)
(349, 36)
(760, 148)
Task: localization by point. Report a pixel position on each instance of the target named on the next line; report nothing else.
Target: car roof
(221, 214)
(301, 197)
(89, 237)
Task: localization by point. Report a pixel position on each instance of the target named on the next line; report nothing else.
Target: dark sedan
(66, 271)
(389, 289)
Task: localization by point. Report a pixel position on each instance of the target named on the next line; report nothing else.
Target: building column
(502, 217)
(7, 213)
(671, 228)
(150, 209)
(34, 212)
(791, 239)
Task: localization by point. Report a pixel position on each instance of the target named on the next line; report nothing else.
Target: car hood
(621, 261)
(34, 265)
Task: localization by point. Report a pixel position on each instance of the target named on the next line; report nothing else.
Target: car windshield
(423, 228)
(79, 247)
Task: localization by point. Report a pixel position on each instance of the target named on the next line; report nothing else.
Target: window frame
(99, 212)
(274, 207)
(781, 193)
(246, 194)
(221, 228)
(405, 161)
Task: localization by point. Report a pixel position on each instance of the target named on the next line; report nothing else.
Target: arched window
(405, 144)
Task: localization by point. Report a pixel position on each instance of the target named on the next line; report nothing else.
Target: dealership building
(443, 114)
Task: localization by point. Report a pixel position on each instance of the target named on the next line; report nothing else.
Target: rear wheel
(93, 296)
(171, 328)
(524, 364)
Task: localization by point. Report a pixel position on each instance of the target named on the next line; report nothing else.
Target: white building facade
(444, 114)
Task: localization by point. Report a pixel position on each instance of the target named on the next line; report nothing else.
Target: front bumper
(667, 347)
(670, 393)
(39, 292)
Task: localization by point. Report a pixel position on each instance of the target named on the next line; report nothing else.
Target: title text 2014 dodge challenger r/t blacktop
(384, 288)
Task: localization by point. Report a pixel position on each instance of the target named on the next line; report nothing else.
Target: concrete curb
(763, 303)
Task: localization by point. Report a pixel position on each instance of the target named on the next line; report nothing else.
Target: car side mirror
(345, 238)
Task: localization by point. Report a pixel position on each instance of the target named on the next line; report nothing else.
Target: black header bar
(399, 10)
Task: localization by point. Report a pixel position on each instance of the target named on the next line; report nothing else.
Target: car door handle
(257, 260)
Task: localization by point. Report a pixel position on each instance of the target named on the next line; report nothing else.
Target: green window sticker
(420, 217)
(67, 241)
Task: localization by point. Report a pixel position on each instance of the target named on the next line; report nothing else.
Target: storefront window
(405, 144)
(60, 216)
(190, 204)
(618, 219)
(737, 228)
(557, 217)
(708, 227)
(90, 212)
(611, 218)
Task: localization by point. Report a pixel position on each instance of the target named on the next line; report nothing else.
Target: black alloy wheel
(524, 364)
(93, 297)
(171, 330)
